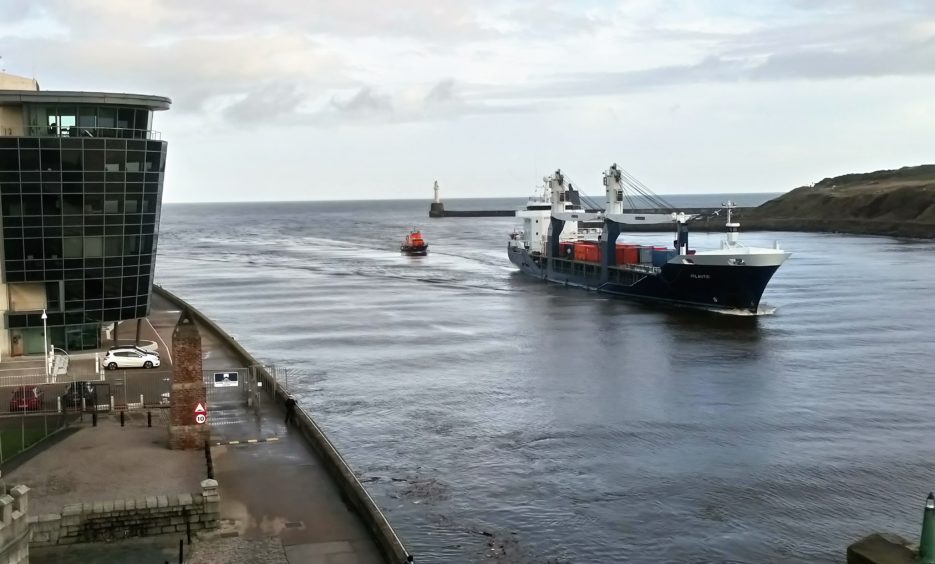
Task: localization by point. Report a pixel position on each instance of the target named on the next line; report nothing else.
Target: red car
(26, 398)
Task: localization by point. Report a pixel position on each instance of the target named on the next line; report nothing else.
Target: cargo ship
(560, 241)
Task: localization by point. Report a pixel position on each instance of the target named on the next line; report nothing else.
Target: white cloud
(432, 70)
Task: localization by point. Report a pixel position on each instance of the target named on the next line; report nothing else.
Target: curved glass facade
(79, 209)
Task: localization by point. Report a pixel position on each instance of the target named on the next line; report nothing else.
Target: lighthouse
(437, 208)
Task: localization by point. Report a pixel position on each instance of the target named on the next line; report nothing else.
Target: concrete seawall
(390, 545)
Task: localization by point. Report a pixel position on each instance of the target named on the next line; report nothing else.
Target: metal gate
(227, 386)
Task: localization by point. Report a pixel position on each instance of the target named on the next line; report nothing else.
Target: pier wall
(390, 545)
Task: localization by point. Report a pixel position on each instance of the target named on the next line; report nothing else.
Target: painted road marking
(248, 441)
(158, 336)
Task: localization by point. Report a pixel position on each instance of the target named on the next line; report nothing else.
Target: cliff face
(886, 202)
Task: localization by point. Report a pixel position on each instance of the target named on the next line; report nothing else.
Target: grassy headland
(886, 202)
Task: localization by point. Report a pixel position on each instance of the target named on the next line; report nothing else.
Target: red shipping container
(631, 254)
(587, 251)
(594, 254)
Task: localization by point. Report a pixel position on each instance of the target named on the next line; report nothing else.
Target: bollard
(121, 418)
(188, 525)
(927, 542)
(209, 461)
(149, 418)
(94, 418)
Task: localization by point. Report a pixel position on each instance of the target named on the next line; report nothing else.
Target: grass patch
(19, 433)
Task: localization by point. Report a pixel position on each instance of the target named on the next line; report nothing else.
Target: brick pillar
(188, 387)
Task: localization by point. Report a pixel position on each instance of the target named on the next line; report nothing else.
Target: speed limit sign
(201, 414)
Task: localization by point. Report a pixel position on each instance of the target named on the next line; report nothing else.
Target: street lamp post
(45, 343)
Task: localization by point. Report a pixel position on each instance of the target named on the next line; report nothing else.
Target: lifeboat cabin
(414, 244)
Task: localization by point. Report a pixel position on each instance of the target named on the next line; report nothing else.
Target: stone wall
(14, 526)
(139, 517)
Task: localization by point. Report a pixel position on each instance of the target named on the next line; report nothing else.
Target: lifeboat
(414, 244)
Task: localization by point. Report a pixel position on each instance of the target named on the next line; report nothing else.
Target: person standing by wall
(290, 409)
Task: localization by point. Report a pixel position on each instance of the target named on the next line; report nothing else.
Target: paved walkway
(140, 550)
(272, 488)
(106, 463)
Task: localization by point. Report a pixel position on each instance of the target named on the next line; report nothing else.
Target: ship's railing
(640, 268)
(102, 132)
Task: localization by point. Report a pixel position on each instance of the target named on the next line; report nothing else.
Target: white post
(45, 344)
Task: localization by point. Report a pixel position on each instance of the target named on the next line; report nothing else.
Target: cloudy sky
(346, 99)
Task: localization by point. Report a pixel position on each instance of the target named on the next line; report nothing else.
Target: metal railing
(136, 389)
(101, 132)
(110, 391)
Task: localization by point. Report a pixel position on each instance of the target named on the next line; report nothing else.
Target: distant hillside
(886, 202)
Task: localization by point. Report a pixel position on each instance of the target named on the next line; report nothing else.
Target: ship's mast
(733, 228)
(556, 184)
(612, 181)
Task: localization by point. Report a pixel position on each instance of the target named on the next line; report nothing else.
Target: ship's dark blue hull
(722, 287)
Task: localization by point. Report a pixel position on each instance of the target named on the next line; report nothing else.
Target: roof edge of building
(152, 102)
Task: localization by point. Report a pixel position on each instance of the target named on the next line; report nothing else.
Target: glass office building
(81, 177)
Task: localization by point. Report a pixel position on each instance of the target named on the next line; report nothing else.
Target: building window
(113, 246)
(93, 247)
(9, 160)
(73, 247)
(29, 159)
(116, 160)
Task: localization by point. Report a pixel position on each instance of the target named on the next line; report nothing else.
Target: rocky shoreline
(882, 228)
(895, 203)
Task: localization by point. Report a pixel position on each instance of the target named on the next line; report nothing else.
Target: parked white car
(129, 358)
(133, 348)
